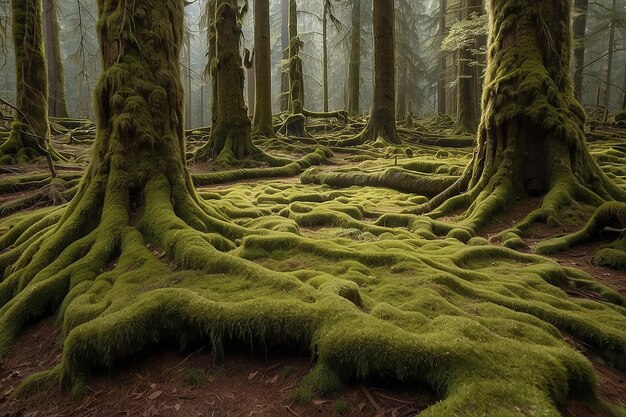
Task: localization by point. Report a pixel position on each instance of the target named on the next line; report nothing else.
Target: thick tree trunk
(354, 75)
(443, 68)
(187, 78)
(212, 57)
(30, 128)
(57, 103)
(531, 138)
(580, 28)
(466, 83)
(382, 123)
(231, 134)
(263, 124)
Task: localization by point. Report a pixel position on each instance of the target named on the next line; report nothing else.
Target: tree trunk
(251, 87)
(401, 98)
(296, 76)
(187, 78)
(382, 123)
(580, 28)
(263, 124)
(212, 57)
(531, 138)
(466, 116)
(30, 128)
(443, 68)
(609, 59)
(57, 103)
(231, 134)
(354, 75)
(325, 53)
(285, 86)
(136, 191)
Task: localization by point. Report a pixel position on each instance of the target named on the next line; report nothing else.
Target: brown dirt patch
(240, 385)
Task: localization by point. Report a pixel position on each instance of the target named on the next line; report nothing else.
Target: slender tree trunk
(296, 76)
(580, 28)
(263, 124)
(187, 77)
(212, 57)
(57, 103)
(609, 59)
(325, 57)
(30, 128)
(251, 87)
(466, 114)
(284, 78)
(382, 123)
(354, 75)
(443, 68)
(401, 96)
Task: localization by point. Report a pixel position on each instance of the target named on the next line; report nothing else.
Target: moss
(139, 258)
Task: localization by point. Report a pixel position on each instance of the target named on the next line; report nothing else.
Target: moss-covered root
(608, 220)
(320, 156)
(395, 178)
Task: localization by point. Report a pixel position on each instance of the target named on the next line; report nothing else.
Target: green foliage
(464, 33)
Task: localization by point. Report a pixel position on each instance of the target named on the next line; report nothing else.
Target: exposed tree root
(396, 178)
(609, 219)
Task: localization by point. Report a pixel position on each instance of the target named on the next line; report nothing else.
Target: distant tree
(580, 28)
(354, 66)
(30, 128)
(231, 137)
(382, 122)
(263, 125)
(57, 103)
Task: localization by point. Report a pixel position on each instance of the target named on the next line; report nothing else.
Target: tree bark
(382, 123)
(580, 28)
(57, 102)
(609, 59)
(285, 86)
(231, 134)
(443, 68)
(263, 124)
(354, 75)
(531, 139)
(325, 53)
(466, 115)
(30, 128)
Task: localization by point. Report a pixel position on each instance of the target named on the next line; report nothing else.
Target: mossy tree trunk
(609, 57)
(284, 41)
(263, 70)
(354, 70)
(466, 114)
(382, 123)
(30, 128)
(326, 11)
(443, 68)
(57, 103)
(231, 137)
(531, 138)
(580, 28)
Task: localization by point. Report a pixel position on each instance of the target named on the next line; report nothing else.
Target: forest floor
(195, 383)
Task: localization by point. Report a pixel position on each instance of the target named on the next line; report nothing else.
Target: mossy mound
(481, 325)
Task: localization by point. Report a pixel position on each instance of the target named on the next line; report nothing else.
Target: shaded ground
(161, 385)
(245, 385)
